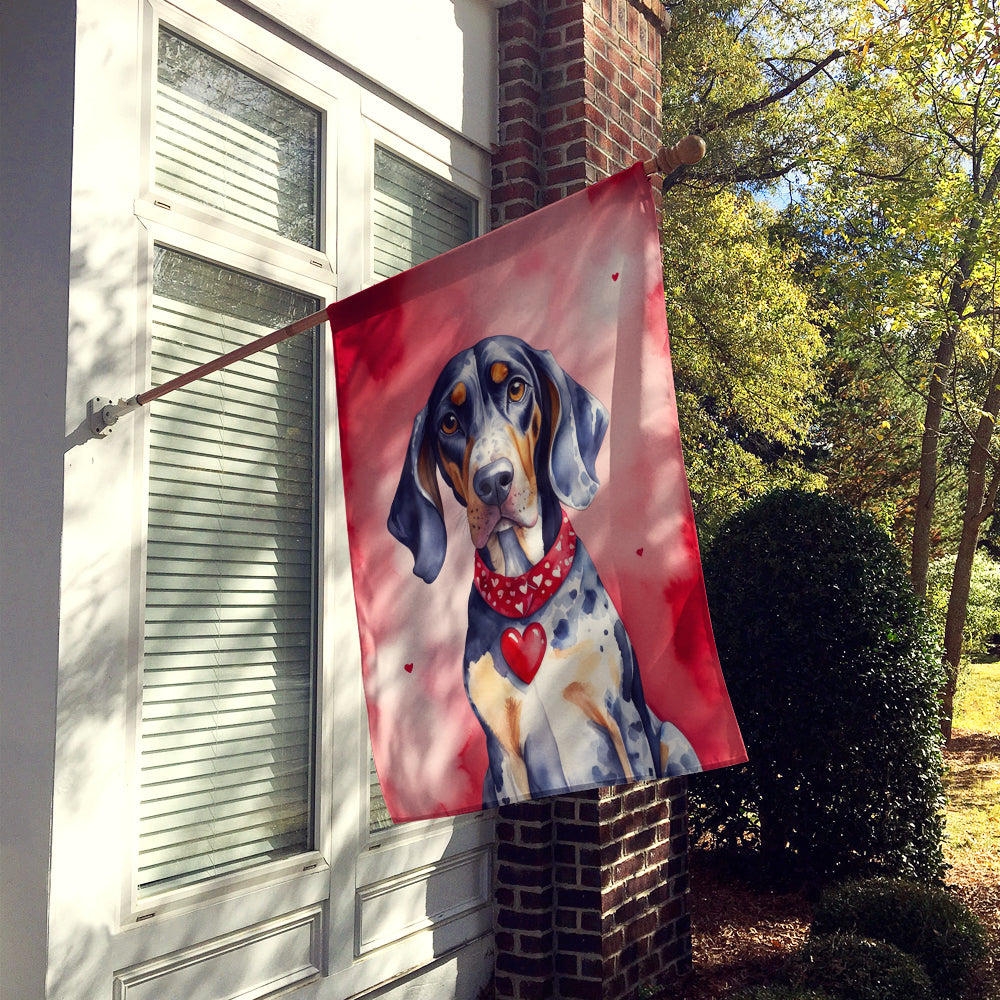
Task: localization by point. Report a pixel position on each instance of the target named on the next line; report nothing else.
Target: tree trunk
(920, 553)
(958, 299)
(980, 499)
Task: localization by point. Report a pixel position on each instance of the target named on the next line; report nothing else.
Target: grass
(972, 848)
(973, 784)
(978, 698)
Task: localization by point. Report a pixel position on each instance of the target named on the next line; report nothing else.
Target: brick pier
(591, 889)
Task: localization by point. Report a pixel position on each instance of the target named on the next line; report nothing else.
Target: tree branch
(754, 106)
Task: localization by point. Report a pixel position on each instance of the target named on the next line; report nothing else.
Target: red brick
(518, 920)
(553, 117)
(522, 111)
(568, 52)
(574, 128)
(535, 899)
(521, 130)
(519, 876)
(537, 966)
(567, 964)
(570, 15)
(518, 91)
(541, 945)
(567, 175)
(642, 882)
(518, 49)
(582, 989)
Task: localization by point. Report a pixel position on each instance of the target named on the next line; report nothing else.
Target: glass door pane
(228, 680)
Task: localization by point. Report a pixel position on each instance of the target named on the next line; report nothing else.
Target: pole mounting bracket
(103, 413)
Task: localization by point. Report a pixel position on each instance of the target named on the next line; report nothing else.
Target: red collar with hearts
(520, 596)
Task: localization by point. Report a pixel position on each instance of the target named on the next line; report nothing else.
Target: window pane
(228, 140)
(228, 656)
(416, 216)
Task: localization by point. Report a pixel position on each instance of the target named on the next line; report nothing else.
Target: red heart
(524, 652)
(408, 668)
(638, 552)
(614, 277)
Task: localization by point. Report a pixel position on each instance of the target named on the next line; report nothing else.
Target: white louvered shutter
(416, 216)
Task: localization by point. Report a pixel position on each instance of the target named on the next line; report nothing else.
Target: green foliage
(856, 968)
(746, 355)
(924, 921)
(983, 613)
(738, 73)
(833, 673)
(745, 343)
(877, 125)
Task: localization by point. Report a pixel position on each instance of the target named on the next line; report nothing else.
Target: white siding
(75, 326)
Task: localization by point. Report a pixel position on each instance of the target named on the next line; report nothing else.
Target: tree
(746, 75)
(746, 355)
(914, 188)
(746, 349)
(878, 121)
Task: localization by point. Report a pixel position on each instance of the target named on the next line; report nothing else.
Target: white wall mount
(103, 413)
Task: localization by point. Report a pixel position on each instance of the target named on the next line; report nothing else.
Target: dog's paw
(677, 756)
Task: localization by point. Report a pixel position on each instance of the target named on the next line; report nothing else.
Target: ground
(742, 935)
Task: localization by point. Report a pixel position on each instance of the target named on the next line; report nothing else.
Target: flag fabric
(527, 580)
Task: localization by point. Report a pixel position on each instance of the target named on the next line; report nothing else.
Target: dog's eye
(515, 390)
(449, 423)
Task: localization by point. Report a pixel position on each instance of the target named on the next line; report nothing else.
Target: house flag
(529, 591)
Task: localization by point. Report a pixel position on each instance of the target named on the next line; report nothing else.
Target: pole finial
(688, 151)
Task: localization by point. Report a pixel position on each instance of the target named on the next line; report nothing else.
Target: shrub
(982, 620)
(833, 673)
(856, 968)
(925, 922)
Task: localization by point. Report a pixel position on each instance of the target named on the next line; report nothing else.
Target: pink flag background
(581, 278)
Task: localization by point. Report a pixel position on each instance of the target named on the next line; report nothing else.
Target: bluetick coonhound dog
(549, 669)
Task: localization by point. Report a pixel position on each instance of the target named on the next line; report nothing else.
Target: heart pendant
(524, 652)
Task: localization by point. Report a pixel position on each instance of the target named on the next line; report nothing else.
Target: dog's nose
(492, 482)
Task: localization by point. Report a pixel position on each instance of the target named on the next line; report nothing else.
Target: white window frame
(350, 872)
(179, 224)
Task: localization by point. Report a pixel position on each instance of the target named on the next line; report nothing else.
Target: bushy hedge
(856, 968)
(833, 673)
(924, 921)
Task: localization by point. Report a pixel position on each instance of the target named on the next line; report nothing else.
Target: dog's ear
(416, 517)
(579, 422)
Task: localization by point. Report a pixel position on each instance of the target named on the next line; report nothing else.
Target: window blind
(228, 140)
(228, 654)
(415, 217)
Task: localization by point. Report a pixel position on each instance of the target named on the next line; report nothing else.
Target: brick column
(591, 889)
(579, 96)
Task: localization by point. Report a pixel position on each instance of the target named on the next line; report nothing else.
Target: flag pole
(103, 414)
